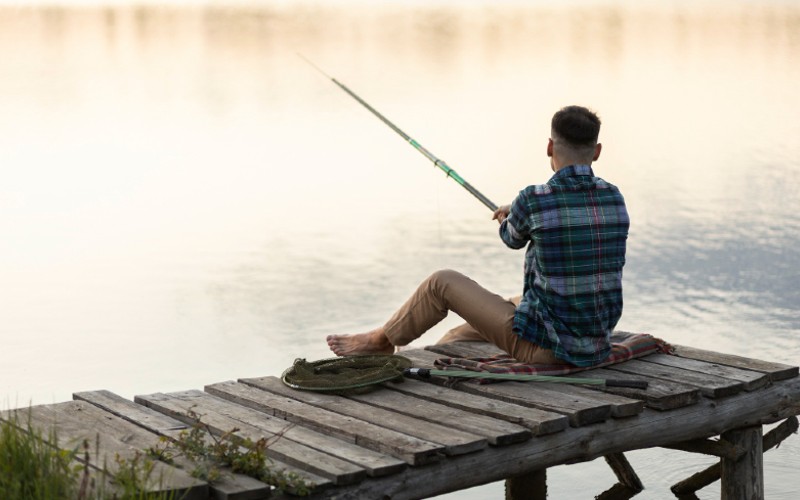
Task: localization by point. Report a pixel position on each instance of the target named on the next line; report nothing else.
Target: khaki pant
(489, 317)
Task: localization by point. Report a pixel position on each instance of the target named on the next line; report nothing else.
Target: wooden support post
(624, 472)
(617, 492)
(629, 483)
(531, 486)
(687, 487)
(696, 481)
(744, 478)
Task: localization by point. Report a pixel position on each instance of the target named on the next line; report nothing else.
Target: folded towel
(624, 346)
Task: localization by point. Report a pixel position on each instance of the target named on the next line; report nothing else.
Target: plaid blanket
(624, 346)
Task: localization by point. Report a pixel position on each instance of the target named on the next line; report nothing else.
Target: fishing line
(430, 156)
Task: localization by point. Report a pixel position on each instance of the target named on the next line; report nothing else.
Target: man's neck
(559, 165)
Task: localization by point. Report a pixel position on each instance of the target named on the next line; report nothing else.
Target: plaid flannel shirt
(575, 226)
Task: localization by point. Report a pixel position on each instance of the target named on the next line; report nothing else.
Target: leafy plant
(134, 475)
(241, 455)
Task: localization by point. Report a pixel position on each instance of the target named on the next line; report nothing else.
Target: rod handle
(632, 384)
(417, 372)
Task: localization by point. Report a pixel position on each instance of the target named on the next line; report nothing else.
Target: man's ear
(597, 149)
(550, 148)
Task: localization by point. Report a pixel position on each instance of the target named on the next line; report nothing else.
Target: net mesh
(347, 374)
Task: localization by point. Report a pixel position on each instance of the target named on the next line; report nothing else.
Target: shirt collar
(573, 170)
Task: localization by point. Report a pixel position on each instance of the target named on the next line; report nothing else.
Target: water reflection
(116, 110)
(179, 186)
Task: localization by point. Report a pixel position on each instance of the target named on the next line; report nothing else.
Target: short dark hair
(577, 125)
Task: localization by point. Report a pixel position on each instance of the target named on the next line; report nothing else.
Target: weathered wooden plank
(538, 421)
(651, 428)
(776, 371)
(454, 441)
(233, 486)
(412, 450)
(230, 486)
(580, 405)
(194, 406)
(111, 437)
(465, 350)
(659, 395)
(140, 415)
(620, 406)
(421, 358)
(497, 432)
(376, 464)
(579, 411)
(751, 379)
(710, 386)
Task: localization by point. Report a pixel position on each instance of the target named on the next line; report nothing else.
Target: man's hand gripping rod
(436, 161)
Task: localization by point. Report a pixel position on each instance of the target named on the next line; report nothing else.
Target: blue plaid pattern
(575, 227)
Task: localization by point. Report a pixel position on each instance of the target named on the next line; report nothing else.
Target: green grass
(30, 468)
(33, 469)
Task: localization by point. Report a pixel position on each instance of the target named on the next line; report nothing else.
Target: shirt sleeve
(514, 231)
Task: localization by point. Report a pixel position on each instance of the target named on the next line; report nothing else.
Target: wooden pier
(421, 438)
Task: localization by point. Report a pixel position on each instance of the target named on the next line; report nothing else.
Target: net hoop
(369, 369)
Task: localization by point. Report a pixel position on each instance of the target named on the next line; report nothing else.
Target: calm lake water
(185, 201)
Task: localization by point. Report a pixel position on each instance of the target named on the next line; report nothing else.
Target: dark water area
(185, 201)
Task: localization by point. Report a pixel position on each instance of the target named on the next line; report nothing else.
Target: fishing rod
(436, 161)
(427, 373)
(345, 373)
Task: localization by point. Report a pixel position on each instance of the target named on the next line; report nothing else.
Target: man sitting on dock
(575, 227)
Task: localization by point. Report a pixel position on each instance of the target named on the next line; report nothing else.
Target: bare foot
(374, 342)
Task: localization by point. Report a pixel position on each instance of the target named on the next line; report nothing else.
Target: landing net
(347, 374)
